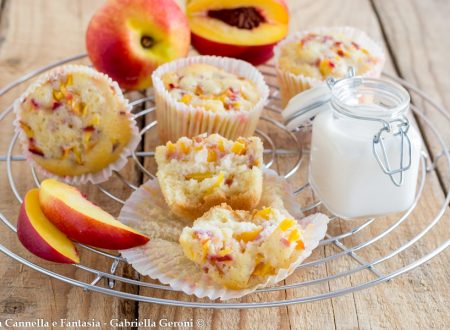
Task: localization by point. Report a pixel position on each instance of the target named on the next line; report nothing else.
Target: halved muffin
(239, 249)
(199, 173)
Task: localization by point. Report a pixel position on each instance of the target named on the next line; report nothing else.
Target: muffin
(208, 94)
(75, 124)
(196, 174)
(165, 260)
(210, 88)
(308, 58)
(239, 249)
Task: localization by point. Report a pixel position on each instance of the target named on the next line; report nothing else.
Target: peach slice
(40, 236)
(83, 221)
(246, 29)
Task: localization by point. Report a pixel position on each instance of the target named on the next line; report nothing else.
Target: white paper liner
(176, 119)
(163, 258)
(292, 84)
(105, 173)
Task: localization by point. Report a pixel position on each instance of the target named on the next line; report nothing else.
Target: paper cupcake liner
(176, 119)
(105, 173)
(292, 84)
(163, 258)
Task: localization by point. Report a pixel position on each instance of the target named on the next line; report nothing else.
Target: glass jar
(364, 152)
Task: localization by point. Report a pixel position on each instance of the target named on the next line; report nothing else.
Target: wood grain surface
(414, 34)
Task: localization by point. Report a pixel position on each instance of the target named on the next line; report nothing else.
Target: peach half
(40, 236)
(83, 221)
(245, 29)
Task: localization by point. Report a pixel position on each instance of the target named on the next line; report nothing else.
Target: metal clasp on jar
(378, 148)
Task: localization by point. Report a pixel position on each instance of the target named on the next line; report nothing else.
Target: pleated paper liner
(163, 259)
(176, 119)
(292, 84)
(106, 172)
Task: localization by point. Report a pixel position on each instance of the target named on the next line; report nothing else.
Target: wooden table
(415, 35)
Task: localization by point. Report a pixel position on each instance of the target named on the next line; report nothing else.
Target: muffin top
(74, 121)
(321, 55)
(238, 248)
(210, 88)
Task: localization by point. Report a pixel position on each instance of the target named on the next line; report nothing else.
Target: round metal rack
(361, 234)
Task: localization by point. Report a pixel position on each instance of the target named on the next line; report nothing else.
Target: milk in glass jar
(364, 151)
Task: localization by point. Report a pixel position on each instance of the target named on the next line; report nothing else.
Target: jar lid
(306, 105)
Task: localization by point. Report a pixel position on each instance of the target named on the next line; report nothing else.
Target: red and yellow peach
(128, 39)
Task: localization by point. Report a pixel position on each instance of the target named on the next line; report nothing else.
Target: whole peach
(128, 39)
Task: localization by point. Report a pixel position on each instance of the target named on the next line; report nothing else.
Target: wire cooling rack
(344, 262)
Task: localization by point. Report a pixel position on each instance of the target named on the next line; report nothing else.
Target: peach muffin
(75, 121)
(210, 88)
(320, 56)
(196, 174)
(208, 94)
(311, 57)
(239, 249)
